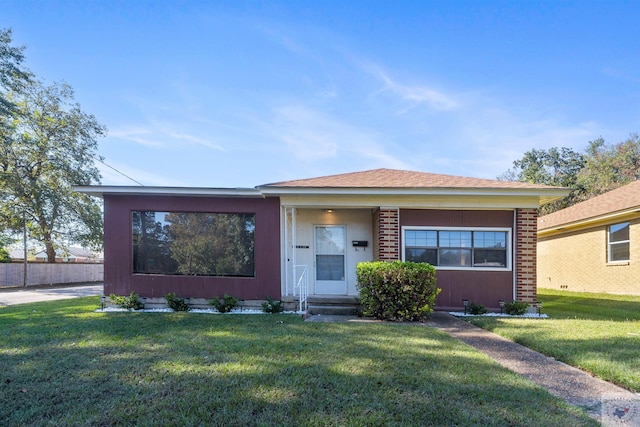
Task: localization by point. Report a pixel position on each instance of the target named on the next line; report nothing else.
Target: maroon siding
(482, 287)
(118, 264)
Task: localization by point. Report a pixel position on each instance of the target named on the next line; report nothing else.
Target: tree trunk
(51, 251)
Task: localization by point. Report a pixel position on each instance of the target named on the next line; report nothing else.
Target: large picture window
(197, 244)
(619, 242)
(458, 248)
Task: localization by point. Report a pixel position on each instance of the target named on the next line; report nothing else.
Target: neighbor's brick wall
(577, 261)
(526, 236)
(387, 230)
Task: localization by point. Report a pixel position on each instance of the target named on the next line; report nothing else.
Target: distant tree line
(48, 144)
(600, 168)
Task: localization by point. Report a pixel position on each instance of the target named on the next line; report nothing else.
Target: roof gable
(620, 200)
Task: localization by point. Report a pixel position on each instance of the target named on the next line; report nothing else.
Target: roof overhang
(101, 191)
(541, 196)
(613, 217)
(356, 196)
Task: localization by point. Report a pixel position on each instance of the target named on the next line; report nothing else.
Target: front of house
(305, 237)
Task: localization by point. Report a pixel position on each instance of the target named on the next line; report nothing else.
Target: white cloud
(413, 95)
(139, 135)
(314, 136)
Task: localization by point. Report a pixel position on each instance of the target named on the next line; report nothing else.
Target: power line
(121, 173)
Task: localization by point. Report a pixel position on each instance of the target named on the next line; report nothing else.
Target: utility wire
(121, 173)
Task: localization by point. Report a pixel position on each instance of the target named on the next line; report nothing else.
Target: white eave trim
(545, 195)
(583, 223)
(99, 190)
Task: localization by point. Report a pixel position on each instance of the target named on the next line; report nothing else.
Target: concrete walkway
(606, 402)
(12, 296)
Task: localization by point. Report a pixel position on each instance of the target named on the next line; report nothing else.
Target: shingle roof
(618, 200)
(393, 178)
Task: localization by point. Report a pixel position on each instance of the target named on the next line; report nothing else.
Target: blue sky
(238, 94)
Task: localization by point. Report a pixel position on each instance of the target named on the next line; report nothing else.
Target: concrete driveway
(22, 296)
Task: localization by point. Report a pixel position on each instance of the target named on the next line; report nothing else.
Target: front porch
(321, 248)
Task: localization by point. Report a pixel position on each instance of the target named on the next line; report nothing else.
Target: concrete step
(334, 309)
(333, 300)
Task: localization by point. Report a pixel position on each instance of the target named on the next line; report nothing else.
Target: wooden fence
(12, 274)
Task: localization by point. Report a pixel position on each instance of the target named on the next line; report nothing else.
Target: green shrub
(176, 303)
(130, 303)
(224, 304)
(397, 290)
(516, 308)
(476, 308)
(4, 255)
(271, 306)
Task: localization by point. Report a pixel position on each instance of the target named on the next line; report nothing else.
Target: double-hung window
(458, 248)
(618, 242)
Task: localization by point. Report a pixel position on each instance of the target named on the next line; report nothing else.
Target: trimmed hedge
(397, 290)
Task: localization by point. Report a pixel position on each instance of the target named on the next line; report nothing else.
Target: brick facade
(387, 234)
(578, 261)
(525, 253)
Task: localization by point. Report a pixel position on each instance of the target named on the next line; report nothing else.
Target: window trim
(509, 249)
(610, 244)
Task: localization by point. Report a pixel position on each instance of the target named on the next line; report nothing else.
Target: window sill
(445, 268)
(617, 263)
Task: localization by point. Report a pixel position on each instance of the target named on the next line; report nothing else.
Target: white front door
(330, 260)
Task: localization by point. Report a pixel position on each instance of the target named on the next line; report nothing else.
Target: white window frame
(428, 228)
(610, 244)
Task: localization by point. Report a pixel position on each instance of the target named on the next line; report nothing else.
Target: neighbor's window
(457, 248)
(197, 244)
(619, 242)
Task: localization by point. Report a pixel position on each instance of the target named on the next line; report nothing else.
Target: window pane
(455, 257)
(330, 240)
(619, 232)
(490, 239)
(422, 255)
(619, 251)
(455, 239)
(421, 238)
(489, 258)
(203, 244)
(330, 267)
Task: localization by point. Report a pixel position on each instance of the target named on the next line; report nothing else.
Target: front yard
(63, 364)
(598, 333)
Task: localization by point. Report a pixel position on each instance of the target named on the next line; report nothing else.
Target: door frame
(331, 287)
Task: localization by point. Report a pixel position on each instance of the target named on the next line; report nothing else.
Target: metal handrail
(302, 284)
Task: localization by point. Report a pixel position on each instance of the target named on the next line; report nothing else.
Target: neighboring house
(279, 239)
(593, 246)
(72, 254)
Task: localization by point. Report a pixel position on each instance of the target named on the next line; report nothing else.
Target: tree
(610, 166)
(556, 166)
(600, 169)
(13, 76)
(49, 144)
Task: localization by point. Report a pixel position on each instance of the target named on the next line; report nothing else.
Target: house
(306, 236)
(71, 254)
(593, 246)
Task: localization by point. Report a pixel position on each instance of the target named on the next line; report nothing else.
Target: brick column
(526, 241)
(388, 234)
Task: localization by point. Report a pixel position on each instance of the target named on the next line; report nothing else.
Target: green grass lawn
(63, 364)
(599, 333)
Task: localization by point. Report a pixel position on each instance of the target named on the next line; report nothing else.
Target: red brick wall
(526, 240)
(388, 237)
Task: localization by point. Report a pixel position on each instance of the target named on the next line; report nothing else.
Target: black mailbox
(360, 243)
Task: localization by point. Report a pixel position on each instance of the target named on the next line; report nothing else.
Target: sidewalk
(12, 296)
(606, 402)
